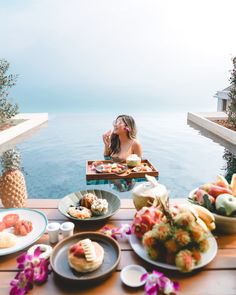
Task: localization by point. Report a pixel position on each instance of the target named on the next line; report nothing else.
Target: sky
(76, 55)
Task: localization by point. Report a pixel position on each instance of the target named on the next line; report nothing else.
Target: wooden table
(217, 278)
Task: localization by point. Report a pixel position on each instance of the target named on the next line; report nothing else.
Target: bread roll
(7, 240)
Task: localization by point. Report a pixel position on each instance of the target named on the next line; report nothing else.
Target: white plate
(39, 222)
(207, 257)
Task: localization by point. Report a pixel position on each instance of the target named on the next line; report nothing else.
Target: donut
(87, 200)
(45, 249)
(79, 212)
(85, 256)
(7, 240)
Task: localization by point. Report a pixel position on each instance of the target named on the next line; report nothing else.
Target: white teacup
(53, 231)
(67, 229)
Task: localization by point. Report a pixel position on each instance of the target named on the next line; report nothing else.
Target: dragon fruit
(145, 219)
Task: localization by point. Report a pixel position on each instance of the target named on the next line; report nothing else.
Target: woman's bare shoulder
(136, 147)
(136, 142)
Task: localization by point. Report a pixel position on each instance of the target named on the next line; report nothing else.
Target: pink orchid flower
(157, 282)
(32, 269)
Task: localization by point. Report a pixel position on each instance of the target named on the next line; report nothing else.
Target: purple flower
(41, 271)
(32, 269)
(117, 233)
(22, 283)
(157, 281)
(25, 260)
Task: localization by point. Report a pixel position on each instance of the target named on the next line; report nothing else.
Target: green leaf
(207, 203)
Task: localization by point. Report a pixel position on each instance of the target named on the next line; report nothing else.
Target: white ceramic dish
(206, 257)
(39, 222)
(224, 224)
(131, 275)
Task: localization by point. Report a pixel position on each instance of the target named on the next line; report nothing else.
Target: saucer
(131, 275)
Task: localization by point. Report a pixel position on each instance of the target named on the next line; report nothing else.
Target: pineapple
(12, 182)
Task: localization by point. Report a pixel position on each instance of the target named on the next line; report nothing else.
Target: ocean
(54, 156)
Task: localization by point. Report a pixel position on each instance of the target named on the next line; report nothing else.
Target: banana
(206, 216)
(203, 225)
(88, 248)
(233, 184)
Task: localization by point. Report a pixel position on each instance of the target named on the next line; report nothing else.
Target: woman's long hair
(131, 133)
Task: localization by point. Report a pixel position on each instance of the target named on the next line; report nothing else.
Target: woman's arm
(137, 149)
(107, 141)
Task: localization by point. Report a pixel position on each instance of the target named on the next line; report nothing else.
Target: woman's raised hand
(107, 138)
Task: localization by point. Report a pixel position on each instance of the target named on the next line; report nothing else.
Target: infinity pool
(54, 157)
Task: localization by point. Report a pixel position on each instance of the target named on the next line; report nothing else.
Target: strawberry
(79, 251)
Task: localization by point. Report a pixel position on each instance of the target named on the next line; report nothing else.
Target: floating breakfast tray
(92, 174)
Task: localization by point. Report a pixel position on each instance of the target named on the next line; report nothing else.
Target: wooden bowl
(225, 224)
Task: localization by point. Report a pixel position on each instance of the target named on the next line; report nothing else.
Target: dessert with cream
(99, 207)
(85, 256)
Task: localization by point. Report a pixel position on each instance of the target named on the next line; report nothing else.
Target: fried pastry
(79, 212)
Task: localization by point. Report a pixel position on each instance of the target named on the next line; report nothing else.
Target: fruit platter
(116, 168)
(219, 197)
(107, 169)
(18, 229)
(176, 236)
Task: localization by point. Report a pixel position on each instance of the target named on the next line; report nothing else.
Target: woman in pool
(121, 141)
(119, 144)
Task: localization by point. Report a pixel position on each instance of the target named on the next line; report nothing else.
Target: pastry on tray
(85, 256)
(111, 168)
(142, 168)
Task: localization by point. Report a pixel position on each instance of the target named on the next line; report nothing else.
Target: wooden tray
(93, 175)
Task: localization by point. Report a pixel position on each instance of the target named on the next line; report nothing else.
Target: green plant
(232, 95)
(7, 109)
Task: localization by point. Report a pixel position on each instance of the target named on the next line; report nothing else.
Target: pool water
(54, 157)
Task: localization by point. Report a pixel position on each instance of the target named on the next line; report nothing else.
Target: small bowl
(131, 274)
